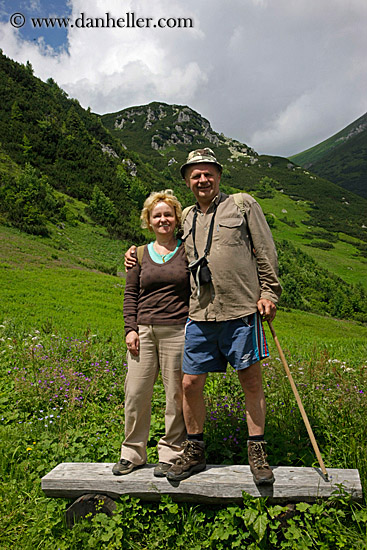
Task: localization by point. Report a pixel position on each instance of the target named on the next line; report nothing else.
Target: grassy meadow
(343, 259)
(62, 369)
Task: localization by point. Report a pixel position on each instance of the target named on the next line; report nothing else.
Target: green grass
(40, 426)
(80, 245)
(54, 282)
(57, 299)
(301, 333)
(315, 153)
(344, 259)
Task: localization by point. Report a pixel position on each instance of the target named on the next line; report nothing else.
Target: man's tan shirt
(240, 277)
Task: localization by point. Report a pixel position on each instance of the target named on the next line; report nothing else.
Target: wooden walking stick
(299, 402)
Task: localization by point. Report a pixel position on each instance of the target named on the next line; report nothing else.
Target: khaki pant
(161, 347)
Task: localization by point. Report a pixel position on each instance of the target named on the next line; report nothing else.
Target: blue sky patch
(27, 17)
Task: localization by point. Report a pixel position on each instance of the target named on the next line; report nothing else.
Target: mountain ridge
(342, 158)
(162, 134)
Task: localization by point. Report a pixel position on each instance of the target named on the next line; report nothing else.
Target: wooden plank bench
(93, 484)
(218, 484)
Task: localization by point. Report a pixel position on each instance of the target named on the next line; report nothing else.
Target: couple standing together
(191, 306)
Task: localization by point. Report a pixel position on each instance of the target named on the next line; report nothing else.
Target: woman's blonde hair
(154, 198)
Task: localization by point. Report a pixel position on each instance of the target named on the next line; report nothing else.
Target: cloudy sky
(278, 75)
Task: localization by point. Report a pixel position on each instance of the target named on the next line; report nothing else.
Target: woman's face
(163, 219)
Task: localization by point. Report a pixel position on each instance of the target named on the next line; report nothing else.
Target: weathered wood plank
(216, 484)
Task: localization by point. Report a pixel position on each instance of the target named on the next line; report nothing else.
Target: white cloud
(277, 75)
(299, 116)
(32, 5)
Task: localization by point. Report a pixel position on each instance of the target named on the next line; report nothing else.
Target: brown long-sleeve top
(157, 293)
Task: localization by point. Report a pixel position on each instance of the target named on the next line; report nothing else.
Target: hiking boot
(161, 469)
(123, 467)
(259, 466)
(192, 460)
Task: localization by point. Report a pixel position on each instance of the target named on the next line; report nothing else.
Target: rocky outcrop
(131, 168)
(209, 135)
(239, 150)
(182, 126)
(150, 118)
(108, 149)
(159, 142)
(119, 123)
(354, 132)
(128, 116)
(184, 115)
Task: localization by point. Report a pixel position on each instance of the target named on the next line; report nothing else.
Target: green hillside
(71, 190)
(68, 149)
(341, 158)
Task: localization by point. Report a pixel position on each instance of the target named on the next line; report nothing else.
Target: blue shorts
(210, 345)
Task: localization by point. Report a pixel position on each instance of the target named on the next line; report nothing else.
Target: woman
(155, 311)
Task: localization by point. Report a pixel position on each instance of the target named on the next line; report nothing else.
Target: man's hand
(130, 260)
(267, 309)
(132, 342)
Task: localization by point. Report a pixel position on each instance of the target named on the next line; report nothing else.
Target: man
(225, 313)
(234, 284)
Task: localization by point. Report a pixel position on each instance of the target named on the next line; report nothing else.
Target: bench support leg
(89, 504)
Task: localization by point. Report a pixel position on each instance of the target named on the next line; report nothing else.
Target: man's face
(203, 180)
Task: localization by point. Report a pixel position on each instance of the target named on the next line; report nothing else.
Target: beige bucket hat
(200, 155)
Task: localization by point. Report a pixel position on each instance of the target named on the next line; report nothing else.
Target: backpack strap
(139, 253)
(185, 213)
(238, 200)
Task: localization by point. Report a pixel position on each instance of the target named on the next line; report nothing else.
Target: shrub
(101, 208)
(324, 245)
(309, 287)
(28, 202)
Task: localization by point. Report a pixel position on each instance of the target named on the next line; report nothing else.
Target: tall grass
(61, 399)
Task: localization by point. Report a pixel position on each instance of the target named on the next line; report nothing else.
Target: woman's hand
(132, 342)
(130, 260)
